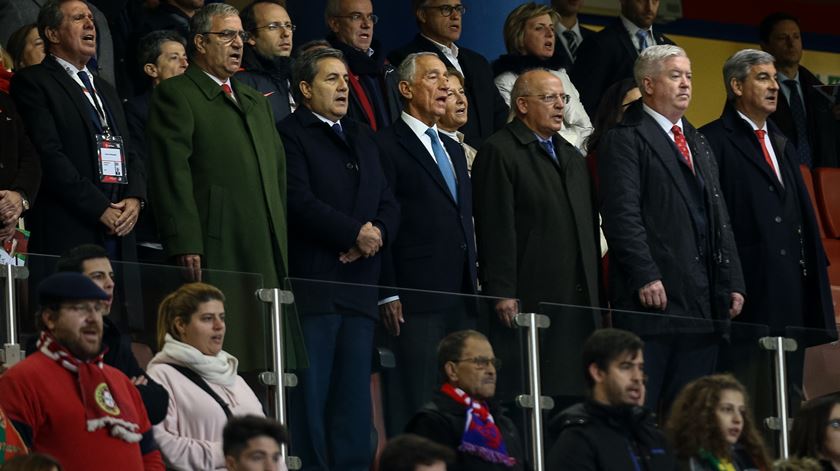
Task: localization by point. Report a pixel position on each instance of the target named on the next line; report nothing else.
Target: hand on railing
(192, 263)
(507, 309)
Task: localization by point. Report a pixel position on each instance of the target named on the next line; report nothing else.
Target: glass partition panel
(139, 289)
(404, 372)
(812, 368)
(677, 350)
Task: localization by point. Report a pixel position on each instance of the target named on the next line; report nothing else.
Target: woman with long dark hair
(816, 431)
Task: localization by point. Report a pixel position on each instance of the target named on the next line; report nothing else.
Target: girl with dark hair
(816, 431)
(712, 429)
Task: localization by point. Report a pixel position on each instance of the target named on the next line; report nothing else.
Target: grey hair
(305, 68)
(738, 67)
(203, 18)
(649, 62)
(408, 67)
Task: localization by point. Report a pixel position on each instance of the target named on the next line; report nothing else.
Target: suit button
(349, 166)
(579, 288)
(696, 259)
(783, 252)
(778, 219)
(771, 188)
(463, 246)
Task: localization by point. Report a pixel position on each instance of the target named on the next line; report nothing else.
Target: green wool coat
(218, 189)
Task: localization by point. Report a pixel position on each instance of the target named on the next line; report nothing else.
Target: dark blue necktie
(548, 145)
(443, 163)
(571, 40)
(100, 113)
(797, 111)
(340, 132)
(642, 35)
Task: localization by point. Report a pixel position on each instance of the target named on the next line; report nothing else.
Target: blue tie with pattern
(443, 163)
(642, 35)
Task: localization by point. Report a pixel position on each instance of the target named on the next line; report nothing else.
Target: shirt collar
(632, 28)
(782, 77)
(71, 69)
(546, 140)
(559, 28)
(329, 123)
(418, 127)
(453, 135)
(752, 123)
(218, 81)
(451, 50)
(661, 120)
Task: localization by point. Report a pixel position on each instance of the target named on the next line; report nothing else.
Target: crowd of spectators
(187, 132)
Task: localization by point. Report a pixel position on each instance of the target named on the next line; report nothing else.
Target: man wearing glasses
(536, 224)
(374, 94)
(218, 170)
(462, 414)
(439, 22)
(266, 60)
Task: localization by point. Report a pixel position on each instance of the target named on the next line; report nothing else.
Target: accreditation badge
(111, 159)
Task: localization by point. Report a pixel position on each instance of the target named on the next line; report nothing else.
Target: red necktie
(227, 90)
(760, 133)
(682, 145)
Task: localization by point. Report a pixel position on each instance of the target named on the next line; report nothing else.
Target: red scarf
(481, 438)
(101, 407)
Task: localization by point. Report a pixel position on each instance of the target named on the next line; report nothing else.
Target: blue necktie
(337, 129)
(443, 163)
(797, 112)
(100, 113)
(643, 39)
(548, 145)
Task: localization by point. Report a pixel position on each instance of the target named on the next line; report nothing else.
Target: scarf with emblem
(101, 407)
(482, 438)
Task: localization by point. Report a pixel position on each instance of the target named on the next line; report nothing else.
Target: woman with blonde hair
(712, 429)
(530, 42)
(201, 378)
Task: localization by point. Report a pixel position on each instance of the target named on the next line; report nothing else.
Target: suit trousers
(330, 409)
(410, 385)
(674, 360)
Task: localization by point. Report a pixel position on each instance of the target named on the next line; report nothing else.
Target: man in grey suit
(535, 220)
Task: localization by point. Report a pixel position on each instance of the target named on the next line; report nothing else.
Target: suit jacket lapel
(624, 39)
(74, 92)
(418, 151)
(666, 152)
(745, 140)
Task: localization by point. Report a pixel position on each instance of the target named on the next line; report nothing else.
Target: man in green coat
(218, 170)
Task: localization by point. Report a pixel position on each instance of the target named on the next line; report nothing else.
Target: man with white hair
(671, 243)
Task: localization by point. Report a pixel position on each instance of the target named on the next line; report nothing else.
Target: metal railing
(534, 401)
(780, 423)
(11, 353)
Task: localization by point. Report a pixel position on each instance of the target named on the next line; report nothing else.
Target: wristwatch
(24, 200)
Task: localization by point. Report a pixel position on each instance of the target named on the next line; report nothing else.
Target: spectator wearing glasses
(462, 414)
(529, 184)
(530, 41)
(374, 94)
(439, 22)
(266, 59)
(218, 170)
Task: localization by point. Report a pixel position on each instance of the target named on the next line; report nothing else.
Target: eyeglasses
(275, 26)
(552, 98)
(446, 10)
(227, 36)
(834, 423)
(482, 362)
(358, 17)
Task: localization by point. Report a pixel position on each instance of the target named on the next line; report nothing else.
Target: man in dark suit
(772, 217)
(21, 174)
(671, 243)
(608, 56)
(341, 212)
(774, 223)
(67, 111)
(435, 248)
(570, 34)
(536, 223)
(440, 26)
(803, 114)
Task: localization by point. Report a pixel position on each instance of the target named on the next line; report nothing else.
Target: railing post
(780, 423)
(277, 378)
(11, 352)
(535, 400)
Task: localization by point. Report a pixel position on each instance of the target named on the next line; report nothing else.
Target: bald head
(538, 99)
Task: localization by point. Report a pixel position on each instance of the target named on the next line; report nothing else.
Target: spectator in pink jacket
(201, 378)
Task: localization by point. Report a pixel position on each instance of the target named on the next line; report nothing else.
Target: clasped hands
(11, 207)
(121, 217)
(368, 243)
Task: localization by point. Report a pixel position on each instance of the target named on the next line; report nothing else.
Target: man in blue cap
(64, 400)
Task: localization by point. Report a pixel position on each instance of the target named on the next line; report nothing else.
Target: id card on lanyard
(111, 159)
